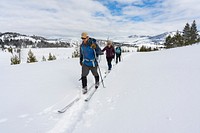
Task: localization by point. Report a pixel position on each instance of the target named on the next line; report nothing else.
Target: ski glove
(93, 46)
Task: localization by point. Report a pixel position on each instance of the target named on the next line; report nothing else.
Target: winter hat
(109, 42)
(84, 35)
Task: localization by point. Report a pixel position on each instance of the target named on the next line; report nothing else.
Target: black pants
(109, 60)
(118, 57)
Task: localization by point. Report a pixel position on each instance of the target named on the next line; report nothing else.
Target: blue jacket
(87, 54)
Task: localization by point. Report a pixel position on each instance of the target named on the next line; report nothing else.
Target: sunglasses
(83, 38)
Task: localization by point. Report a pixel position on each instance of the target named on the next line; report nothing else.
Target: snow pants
(85, 72)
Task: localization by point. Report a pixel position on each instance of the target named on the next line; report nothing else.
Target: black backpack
(98, 49)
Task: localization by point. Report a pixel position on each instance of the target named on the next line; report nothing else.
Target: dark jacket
(110, 51)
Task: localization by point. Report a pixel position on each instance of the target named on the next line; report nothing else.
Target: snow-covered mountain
(17, 36)
(132, 40)
(19, 40)
(138, 40)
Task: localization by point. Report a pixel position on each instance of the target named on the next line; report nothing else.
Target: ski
(90, 95)
(90, 87)
(69, 105)
(74, 101)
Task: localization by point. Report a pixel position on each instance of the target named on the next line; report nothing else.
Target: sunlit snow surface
(155, 92)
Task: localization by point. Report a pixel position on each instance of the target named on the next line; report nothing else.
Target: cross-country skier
(89, 51)
(110, 54)
(118, 52)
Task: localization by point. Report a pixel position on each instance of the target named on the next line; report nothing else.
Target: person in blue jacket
(118, 52)
(89, 51)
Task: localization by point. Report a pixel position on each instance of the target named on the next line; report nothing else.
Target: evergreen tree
(168, 42)
(31, 58)
(194, 32)
(198, 39)
(54, 57)
(75, 54)
(146, 49)
(15, 60)
(2, 44)
(43, 58)
(10, 49)
(178, 39)
(187, 34)
(51, 57)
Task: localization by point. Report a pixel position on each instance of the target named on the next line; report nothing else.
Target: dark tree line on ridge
(188, 36)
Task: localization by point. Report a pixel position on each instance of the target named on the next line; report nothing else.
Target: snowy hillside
(150, 41)
(24, 41)
(17, 36)
(133, 40)
(155, 92)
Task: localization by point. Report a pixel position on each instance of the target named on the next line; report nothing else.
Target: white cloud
(68, 18)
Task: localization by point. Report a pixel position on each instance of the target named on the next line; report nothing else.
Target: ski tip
(86, 100)
(60, 111)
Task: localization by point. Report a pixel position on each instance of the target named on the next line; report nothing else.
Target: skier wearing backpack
(118, 52)
(89, 51)
(110, 53)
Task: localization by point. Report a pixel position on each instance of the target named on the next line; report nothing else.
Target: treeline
(146, 49)
(188, 36)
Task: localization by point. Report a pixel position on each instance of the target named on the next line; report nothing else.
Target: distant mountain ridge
(137, 40)
(20, 40)
(15, 36)
(17, 39)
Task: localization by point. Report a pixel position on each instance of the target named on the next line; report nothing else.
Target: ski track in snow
(76, 114)
(23, 116)
(80, 110)
(73, 116)
(3, 120)
(70, 118)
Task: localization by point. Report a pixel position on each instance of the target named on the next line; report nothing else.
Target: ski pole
(99, 68)
(101, 76)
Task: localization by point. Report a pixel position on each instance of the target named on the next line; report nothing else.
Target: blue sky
(100, 18)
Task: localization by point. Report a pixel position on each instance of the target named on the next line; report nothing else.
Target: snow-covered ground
(60, 53)
(155, 92)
